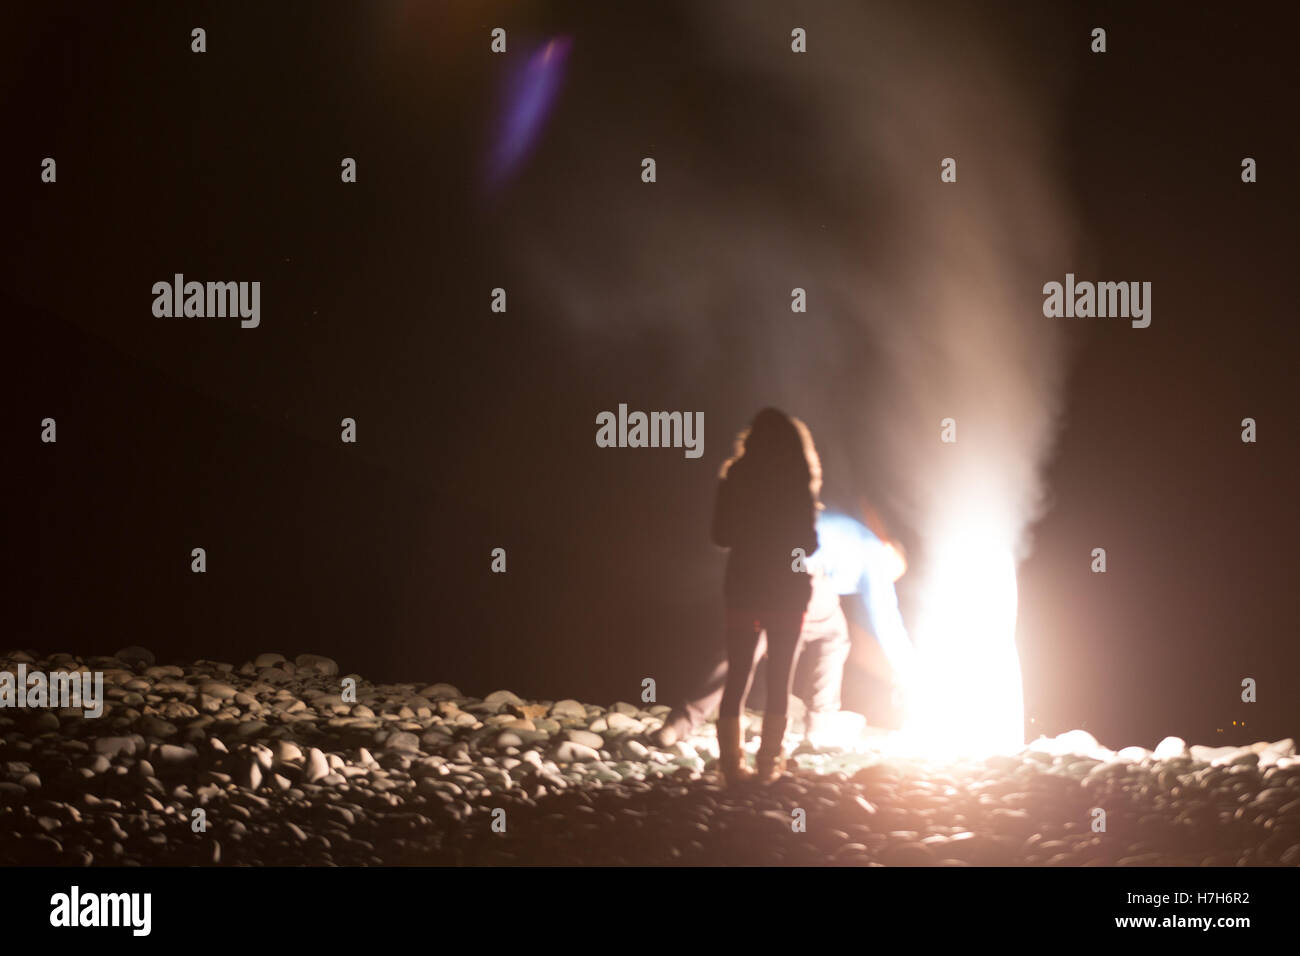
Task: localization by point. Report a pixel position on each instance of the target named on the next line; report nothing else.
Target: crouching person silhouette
(766, 507)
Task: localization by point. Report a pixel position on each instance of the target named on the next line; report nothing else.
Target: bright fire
(964, 697)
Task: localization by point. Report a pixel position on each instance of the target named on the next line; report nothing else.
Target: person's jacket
(762, 527)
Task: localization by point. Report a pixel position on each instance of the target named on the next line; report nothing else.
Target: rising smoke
(821, 171)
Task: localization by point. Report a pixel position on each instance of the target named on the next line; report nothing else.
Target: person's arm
(881, 601)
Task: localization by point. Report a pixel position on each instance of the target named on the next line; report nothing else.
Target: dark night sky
(476, 430)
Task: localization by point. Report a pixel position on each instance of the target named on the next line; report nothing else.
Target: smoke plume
(821, 171)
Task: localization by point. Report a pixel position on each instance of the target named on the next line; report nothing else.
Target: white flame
(964, 697)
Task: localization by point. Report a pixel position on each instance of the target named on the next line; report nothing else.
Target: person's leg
(742, 643)
(690, 713)
(823, 659)
(707, 699)
(707, 696)
(743, 634)
(782, 647)
(803, 685)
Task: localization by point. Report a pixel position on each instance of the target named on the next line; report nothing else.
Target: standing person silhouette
(766, 507)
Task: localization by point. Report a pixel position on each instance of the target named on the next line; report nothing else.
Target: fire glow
(964, 697)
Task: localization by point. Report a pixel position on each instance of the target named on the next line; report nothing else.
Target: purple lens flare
(528, 95)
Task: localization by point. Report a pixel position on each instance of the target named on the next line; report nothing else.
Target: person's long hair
(777, 451)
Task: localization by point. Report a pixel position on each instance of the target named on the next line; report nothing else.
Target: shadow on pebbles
(277, 762)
